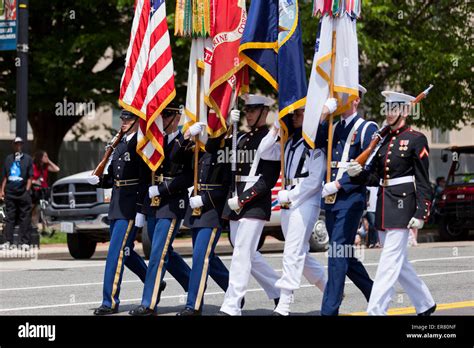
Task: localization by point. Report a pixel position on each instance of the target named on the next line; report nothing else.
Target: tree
(403, 44)
(66, 42)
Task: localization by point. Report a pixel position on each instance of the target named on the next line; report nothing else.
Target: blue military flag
(272, 46)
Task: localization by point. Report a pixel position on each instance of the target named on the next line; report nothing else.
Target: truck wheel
(80, 246)
(451, 231)
(146, 243)
(319, 237)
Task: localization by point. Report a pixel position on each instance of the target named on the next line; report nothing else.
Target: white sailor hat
(256, 100)
(395, 97)
(362, 89)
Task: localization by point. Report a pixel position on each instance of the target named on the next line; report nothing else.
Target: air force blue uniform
(127, 175)
(343, 217)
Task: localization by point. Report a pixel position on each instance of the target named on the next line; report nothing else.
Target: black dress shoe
(428, 312)
(276, 300)
(276, 314)
(141, 311)
(189, 312)
(222, 314)
(160, 290)
(104, 310)
(242, 303)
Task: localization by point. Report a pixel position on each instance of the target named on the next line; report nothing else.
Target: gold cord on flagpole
(331, 199)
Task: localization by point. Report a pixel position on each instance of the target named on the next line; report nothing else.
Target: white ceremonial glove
(153, 191)
(93, 179)
(235, 116)
(329, 189)
(140, 220)
(331, 104)
(196, 128)
(234, 203)
(195, 202)
(354, 168)
(284, 196)
(416, 223)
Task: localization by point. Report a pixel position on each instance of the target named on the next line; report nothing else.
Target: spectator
(15, 190)
(440, 185)
(42, 165)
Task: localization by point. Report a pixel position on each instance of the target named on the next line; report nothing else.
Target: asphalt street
(72, 287)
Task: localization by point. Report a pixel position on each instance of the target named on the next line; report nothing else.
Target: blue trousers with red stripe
(120, 254)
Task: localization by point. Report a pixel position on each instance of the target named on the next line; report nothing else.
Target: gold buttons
(391, 145)
(387, 168)
(404, 194)
(387, 176)
(393, 138)
(388, 160)
(390, 152)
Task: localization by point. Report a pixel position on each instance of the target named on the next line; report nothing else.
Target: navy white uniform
(343, 217)
(213, 186)
(127, 175)
(304, 171)
(400, 169)
(254, 180)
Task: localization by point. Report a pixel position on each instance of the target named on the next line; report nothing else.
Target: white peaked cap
(395, 97)
(362, 89)
(253, 99)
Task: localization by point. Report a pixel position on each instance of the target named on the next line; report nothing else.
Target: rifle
(379, 135)
(109, 149)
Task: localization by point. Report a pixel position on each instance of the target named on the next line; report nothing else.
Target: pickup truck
(454, 206)
(80, 210)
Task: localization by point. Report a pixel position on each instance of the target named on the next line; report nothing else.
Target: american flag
(147, 85)
(275, 204)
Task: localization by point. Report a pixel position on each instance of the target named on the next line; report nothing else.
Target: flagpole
(197, 211)
(331, 199)
(282, 167)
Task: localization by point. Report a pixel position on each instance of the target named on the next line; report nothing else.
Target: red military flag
(147, 85)
(227, 76)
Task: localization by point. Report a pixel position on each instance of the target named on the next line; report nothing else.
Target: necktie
(343, 122)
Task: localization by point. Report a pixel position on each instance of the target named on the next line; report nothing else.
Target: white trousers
(297, 225)
(245, 234)
(393, 266)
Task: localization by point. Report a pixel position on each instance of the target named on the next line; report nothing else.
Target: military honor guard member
(304, 171)
(127, 175)
(400, 169)
(166, 205)
(344, 213)
(249, 207)
(204, 219)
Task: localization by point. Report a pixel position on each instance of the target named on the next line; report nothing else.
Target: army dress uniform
(304, 171)
(213, 187)
(254, 181)
(173, 178)
(351, 136)
(127, 175)
(400, 169)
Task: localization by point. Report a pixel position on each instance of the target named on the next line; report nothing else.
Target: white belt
(335, 164)
(246, 178)
(397, 181)
(294, 181)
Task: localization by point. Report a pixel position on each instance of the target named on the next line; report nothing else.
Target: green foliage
(404, 45)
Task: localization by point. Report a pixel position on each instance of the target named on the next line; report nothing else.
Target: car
(80, 210)
(454, 207)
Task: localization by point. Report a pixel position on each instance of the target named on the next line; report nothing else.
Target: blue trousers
(120, 254)
(205, 262)
(176, 266)
(162, 256)
(342, 228)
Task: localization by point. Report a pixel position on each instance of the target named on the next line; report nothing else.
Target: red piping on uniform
(385, 172)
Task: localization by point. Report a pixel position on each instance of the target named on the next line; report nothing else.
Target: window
(439, 137)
